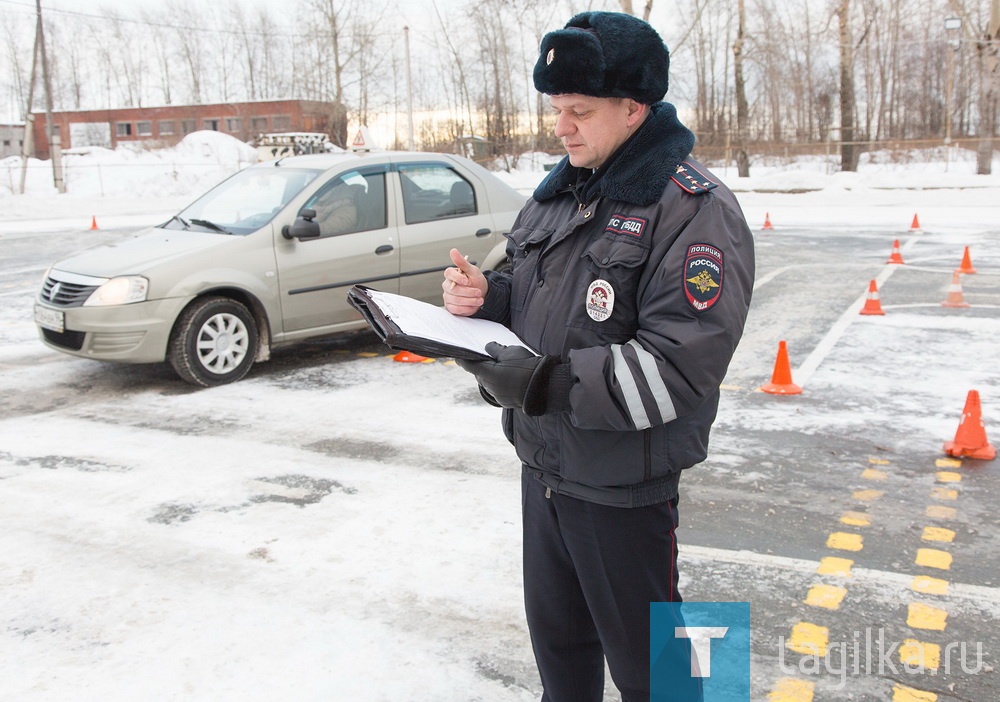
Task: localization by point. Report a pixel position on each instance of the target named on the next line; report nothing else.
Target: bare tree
(742, 108)
(849, 149)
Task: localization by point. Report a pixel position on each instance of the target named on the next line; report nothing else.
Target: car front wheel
(214, 342)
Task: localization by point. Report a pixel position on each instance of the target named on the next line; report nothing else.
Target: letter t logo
(701, 646)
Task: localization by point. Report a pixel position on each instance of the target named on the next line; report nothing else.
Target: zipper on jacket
(649, 460)
(548, 493)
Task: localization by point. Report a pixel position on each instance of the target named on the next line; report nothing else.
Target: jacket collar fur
(640, 171)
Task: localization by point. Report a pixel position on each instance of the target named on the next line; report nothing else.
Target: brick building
(165, 126)
(11, 138)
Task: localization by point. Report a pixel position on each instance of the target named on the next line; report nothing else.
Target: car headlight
(119, 291)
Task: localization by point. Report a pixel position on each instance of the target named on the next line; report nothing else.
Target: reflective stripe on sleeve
(633, 401)
(655, 382)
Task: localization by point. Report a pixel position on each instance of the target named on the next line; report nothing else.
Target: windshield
(245, 202)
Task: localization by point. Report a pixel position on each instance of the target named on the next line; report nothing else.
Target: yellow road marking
(791, 690)
(947, 476)
(859, 519)
(918, 654)
(867, 495)
(832, 565)
(901, 693)
(924, 616)
(941, 512)
(929, 585)
(844, 541)
(933, 558)
(873, 474)
(877, 461)
(938, 534)
(825, 596)
(809, 639)
(940, 493)
(948, 463)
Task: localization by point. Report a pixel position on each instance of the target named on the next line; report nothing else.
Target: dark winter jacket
(643, 288)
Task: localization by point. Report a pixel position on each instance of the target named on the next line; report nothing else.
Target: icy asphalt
(339, 526)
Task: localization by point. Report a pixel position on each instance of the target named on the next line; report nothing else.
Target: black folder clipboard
(405, 324)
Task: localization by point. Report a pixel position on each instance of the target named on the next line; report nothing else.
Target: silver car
(267, 258)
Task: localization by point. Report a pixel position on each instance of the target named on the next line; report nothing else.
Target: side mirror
(304, 227)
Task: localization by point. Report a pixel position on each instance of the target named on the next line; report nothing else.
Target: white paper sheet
(416, 318)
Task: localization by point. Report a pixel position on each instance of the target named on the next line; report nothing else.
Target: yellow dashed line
(873, 474)
(867, 495)
(858, 519)
(878, 461)
(792, 690)
(825, 596)
(835, 566)
(941, 512)
(924, 616)
(938, 534)
(933, 558)
(844, 541)
(940, 493)
(901, 693)
(368, 354)
(918, 654)
(947, 476)
(948, 463)
(809, 639)
(929, 585)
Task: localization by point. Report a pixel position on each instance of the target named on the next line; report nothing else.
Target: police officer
(631, 273)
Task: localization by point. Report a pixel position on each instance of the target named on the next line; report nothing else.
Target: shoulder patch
(703, 273)
(692, 180)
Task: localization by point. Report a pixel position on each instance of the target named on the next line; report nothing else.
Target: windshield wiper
(184, 222)
(210, 225)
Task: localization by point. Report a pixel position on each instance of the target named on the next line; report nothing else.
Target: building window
(123, 129)
(232, 124)
(281, 123)
(210, 124)
(144, 128)
(6, 142)
(258, 125)
(188, 126)
(167, 127)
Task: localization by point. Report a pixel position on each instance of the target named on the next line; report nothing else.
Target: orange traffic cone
(767, 221)
(970, 439)
(781, 379)
(955, 298)
(915, 226)
(93, 223)
(966, 266)
(895, 256)
(408, 357)
(872, 304)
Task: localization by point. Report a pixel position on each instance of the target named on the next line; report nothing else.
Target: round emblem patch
(703, 274)
(550, 57)
(600, 300)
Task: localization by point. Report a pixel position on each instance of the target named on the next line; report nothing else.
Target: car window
(351, 202)
(245, 202)
(435, 191)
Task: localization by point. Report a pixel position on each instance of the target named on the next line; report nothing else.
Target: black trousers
(590, 573)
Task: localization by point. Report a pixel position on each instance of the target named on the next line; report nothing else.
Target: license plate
(50, 319)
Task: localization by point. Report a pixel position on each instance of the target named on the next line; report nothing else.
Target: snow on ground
(281, 572)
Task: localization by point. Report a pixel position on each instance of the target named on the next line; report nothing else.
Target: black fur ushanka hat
(604, 54)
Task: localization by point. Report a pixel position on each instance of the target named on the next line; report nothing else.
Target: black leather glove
(517, 378)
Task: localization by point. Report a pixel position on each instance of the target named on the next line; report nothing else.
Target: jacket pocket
(608, 287)
(527, 245)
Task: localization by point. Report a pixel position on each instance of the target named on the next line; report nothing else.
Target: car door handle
(483, 232)
(383, 249)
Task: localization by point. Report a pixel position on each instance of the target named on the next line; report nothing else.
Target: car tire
(214, 342)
